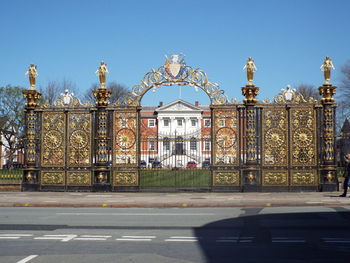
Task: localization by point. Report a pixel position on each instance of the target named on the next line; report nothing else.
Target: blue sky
(67, 39)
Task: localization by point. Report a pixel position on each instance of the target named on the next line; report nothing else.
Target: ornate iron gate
(284, 145)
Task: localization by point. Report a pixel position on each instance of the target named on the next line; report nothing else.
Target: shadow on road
(286, 237)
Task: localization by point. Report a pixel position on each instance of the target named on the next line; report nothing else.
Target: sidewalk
(162, 200)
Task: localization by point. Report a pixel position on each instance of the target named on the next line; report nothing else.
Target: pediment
(179, 105)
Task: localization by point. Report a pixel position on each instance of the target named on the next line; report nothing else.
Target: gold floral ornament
(275, 137)
(226, 178)
(126, 138)
(291, 96)
(67, 99)
(275, 143)
(225, 137)
(174, 72)
(275, 178)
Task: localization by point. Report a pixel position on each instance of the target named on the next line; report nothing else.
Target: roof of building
(345, 130)
(151, 110)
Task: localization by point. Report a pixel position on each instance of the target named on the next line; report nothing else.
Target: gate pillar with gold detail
(31, 178)
(101, 174)
(251, 172)
(328, 165)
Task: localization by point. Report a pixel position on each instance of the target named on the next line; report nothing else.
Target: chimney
(196, 103)
(160, 103)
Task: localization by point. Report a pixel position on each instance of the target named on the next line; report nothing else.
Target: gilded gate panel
(225, 178)
(226, 139)
(304, 178)
(125, 138)
(275, 137)
(303, 136)
(275, 178)
(125, 178)
(79, 139)
(79, 178)
(53, 178)
(53, 139)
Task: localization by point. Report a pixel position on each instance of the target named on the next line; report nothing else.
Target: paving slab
(139, 199)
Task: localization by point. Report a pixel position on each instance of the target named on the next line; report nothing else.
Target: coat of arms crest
(174, 65)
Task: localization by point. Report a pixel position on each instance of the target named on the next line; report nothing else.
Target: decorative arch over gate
(175, 72)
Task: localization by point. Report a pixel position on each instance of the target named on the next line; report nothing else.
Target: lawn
(182, 178)
(10, 176)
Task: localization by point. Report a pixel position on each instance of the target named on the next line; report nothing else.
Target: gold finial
(326, 67)
(101, 73)
(251, 68)
(33, 73)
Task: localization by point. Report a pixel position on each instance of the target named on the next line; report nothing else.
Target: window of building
(166, 123)
(206, 123)
(179, 122)
(166, 144)
(151, 146)
(151, 123)
(193, 144)
(194, 122)
(222, 123)
(207, 146)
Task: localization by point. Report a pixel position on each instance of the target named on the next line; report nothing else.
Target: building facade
(175, 135)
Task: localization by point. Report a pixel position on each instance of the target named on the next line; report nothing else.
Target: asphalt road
(270, 234)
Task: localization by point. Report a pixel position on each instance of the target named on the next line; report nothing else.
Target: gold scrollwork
(225, 136)
(275, 134)
(52, 178)
(79, 137)
(304, 178)
(227, 178)
(78, 178)
(303, 136)
(125, 137)
(186, 76)
(53, 138)
(125, 178)
(275, 178)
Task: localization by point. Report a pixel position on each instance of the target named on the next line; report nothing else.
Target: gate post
(328, 167)
(30, 180)
(101, 176)
(251, 175)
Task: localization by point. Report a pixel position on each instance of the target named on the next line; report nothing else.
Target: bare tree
(51, 92)
(343, 96)
(118, 91)
(12, 105)
(308, 91)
